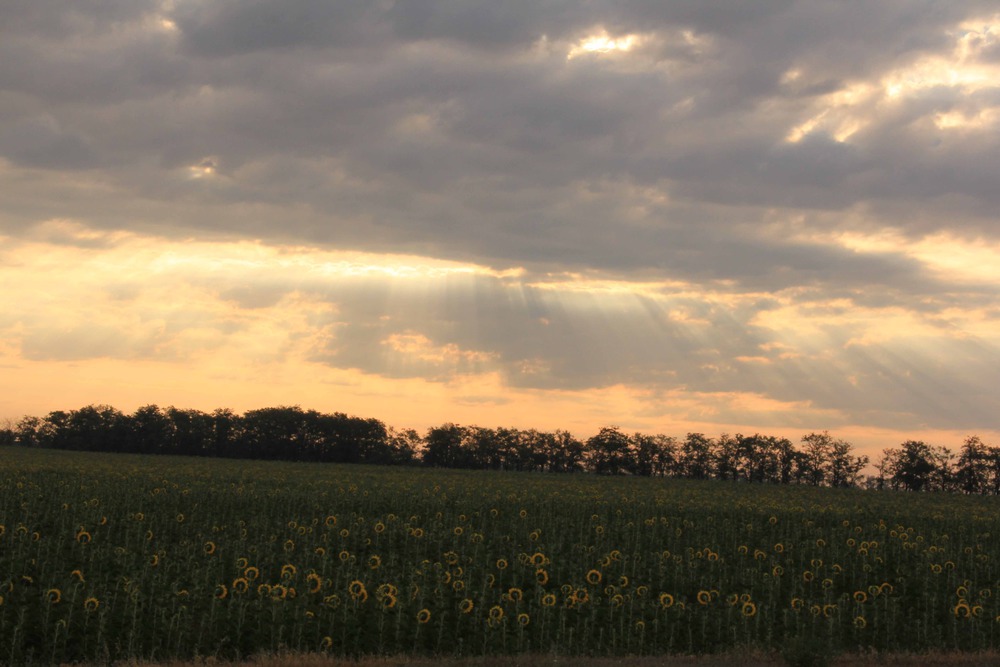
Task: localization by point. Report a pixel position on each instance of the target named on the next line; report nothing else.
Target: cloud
(663, 196)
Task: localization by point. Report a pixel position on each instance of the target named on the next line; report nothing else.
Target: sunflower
(388, 601)
(704, 597)
(209, 548)
(251, 573)
(344, 556)
(288, 571)
(466, 606)
(154, 560)
(221, 592)
(666, 600)
(962, 610)
(829, 609)
(357, 590)
(541, 576)
(330, 521)
(315, 582)
(514, 594)
(54, 595)
(538, 559)
(496, 612)
(617, 600)
(549, 600)
(83, 537)
(749, 609)
(374, 561)
(278, 592)
(241, 585)
(777, 571)
(91, 604)
(593, 577)
(289, 546)
(501, 563)
(326, 643)
(424, 615)
(78, 574)
(860, 597)
(523, 619)
(797, 603)
(807, 576)
(332, 601)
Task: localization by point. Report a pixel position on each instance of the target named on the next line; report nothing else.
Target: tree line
(293, 434)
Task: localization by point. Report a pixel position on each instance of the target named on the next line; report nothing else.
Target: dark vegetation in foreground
(983, 659)
(135, 557)
(294, 434)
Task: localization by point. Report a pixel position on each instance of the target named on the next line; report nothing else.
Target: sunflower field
(105, 557)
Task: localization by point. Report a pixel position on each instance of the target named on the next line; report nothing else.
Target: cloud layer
(701, 202)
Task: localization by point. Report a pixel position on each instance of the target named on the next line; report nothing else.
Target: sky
(776, 216)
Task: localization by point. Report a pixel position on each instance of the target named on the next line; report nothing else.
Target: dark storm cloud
(449, 122)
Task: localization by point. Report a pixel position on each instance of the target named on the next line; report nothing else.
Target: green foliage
(108, 557)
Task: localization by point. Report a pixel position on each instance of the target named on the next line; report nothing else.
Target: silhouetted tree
(568, 454)
(652, 455)
(911, 467)
(443, 447)
(972, 471)
(150, 431)
(609, 452)
(826, 461)
(697, 456)
(405, 445)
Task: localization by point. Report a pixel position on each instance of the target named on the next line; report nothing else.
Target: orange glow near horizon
(130, 320)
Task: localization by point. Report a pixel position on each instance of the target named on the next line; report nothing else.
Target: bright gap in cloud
(965, 70)
(603, 43)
